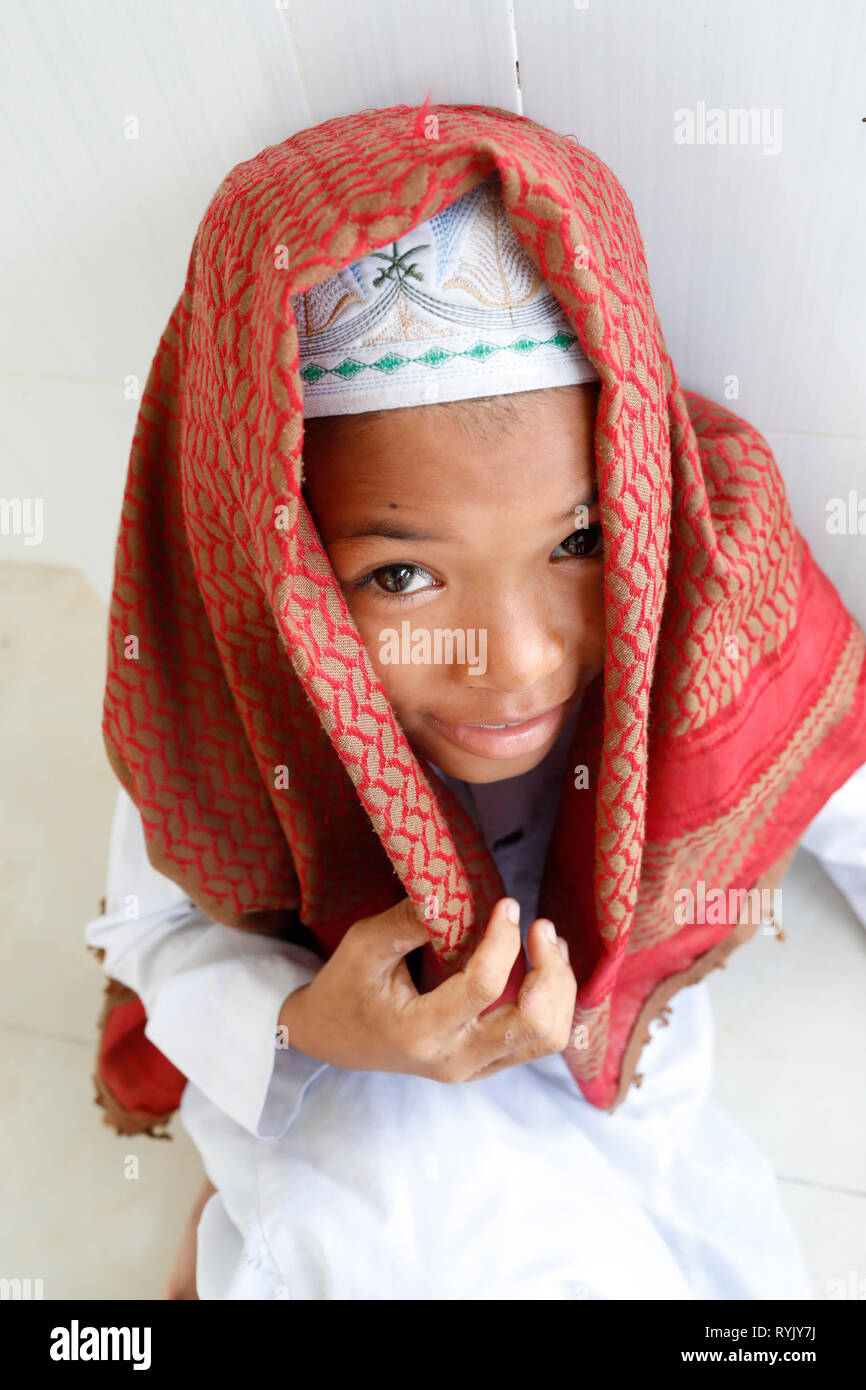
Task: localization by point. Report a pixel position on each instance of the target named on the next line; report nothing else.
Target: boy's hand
(362, 1011)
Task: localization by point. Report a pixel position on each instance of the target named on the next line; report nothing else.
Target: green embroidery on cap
(396, 268)
(435, 356)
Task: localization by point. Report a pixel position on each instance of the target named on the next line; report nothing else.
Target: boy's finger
(509, 1033)
(526, 1053)
(549, 963)
(542, 945)
(462, 997)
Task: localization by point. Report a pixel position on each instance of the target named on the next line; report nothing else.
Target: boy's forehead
(537, 448)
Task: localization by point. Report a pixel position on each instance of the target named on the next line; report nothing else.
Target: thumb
(391, 935)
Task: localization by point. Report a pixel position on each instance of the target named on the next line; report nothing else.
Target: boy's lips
(512, 741)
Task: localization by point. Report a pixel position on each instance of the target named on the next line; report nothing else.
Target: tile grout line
(46, 1036)
(822, 1186)
(516, 55)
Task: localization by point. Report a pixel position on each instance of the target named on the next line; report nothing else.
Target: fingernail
(563, 949)
(512, 911)
(549, 930)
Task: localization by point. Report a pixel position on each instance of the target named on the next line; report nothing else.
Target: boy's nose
(522, 649)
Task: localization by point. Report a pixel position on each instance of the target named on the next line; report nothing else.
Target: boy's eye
(586, 542)
(396, 579)
(401, 579)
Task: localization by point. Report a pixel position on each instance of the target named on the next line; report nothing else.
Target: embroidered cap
(454, 309)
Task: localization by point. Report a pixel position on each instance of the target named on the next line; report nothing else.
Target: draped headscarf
(247, 722)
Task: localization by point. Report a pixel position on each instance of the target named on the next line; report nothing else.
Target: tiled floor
(70, 1213)
(80, 1215)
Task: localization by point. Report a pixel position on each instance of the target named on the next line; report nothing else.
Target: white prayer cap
(452, 310)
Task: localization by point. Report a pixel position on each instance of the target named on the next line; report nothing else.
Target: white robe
(338, 1184)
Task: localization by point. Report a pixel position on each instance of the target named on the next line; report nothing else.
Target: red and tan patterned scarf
(732, 702)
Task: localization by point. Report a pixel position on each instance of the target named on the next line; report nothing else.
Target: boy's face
(489, 549)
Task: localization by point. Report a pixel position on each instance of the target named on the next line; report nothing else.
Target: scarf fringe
(128, 1121)
(121, 1120)
(716, 958)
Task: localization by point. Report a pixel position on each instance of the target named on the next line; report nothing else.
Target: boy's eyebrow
(390, 530)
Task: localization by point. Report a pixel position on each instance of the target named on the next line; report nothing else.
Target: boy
(343, 1167)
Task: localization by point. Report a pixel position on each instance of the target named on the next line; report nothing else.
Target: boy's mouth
(507, 740)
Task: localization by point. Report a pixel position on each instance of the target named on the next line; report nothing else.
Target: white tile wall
(390, 53)
(755, 259)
